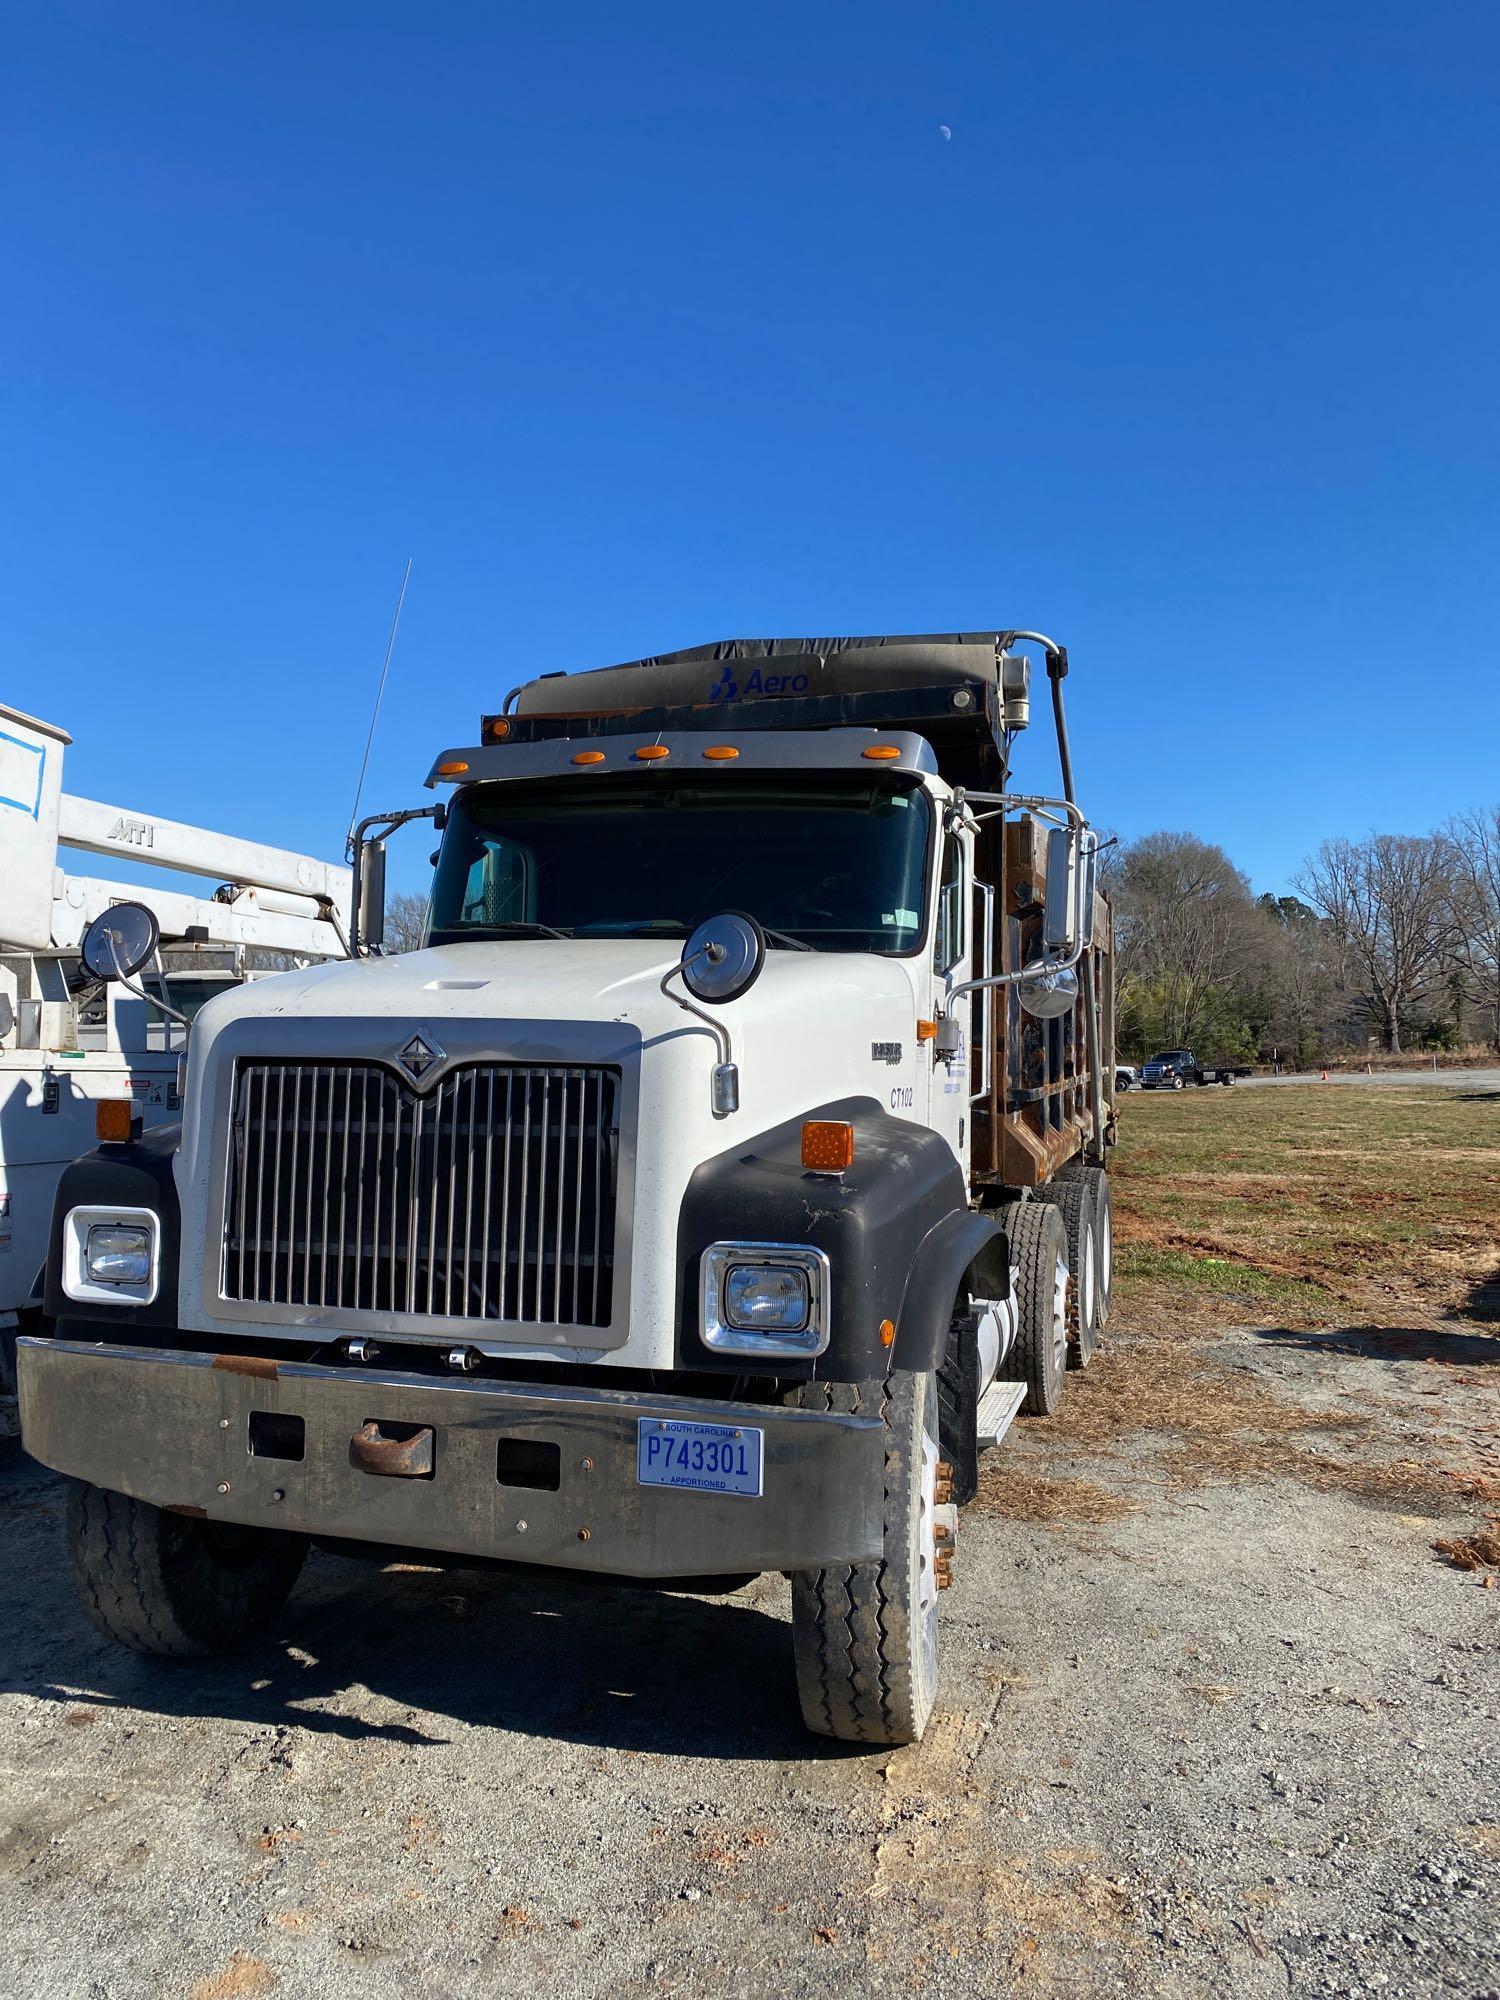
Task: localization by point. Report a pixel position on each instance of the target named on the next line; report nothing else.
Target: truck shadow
(1454, 1348)
(393, 1653)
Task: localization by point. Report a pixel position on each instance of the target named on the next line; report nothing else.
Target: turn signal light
(926, 1030)
(588, 756)
(882, 752)
(453, 769)
(651, 753)
(496, 729)
(114, 1121)
(827, 1146)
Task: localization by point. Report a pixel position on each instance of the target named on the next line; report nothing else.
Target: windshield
(834, 863)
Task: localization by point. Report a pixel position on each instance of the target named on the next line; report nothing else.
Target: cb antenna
(390, 647)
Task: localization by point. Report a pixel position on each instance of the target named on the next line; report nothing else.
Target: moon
(947, 131)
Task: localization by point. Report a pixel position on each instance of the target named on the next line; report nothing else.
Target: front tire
(864, 1635)
(171, 1586)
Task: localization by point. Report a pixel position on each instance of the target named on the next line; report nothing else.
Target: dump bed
(963, 691)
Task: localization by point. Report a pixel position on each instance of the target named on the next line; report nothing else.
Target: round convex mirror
(1049, 994)
(723, 957)
(119, 941)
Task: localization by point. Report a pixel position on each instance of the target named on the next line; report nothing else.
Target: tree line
(1391, 942)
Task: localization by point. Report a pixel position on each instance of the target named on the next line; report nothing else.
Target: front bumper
(176, 1430)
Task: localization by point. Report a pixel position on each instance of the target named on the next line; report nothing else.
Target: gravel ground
(1245, 1739)
(1461, 1080)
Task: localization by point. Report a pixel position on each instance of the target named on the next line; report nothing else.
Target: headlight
(110, 1256)
(117, 1254)
(765, 1299)
(771, 1298)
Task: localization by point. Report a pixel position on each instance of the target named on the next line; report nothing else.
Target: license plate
(703, 1458)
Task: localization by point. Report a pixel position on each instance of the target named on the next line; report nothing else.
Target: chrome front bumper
(190, 1432)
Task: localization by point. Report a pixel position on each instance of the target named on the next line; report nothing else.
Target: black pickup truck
(1175, 1068)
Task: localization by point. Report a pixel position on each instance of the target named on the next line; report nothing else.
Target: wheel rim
(1106, 1250)
(1086, 1282)
(1060, 1313)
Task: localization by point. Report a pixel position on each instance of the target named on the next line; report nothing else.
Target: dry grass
(1304, 1211)
(1309, 1199)
(1480, 1551)
(1008, 1488)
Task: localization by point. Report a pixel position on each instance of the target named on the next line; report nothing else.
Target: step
(997, 1409)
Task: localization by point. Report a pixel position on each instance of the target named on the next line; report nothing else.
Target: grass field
(1257, 1230)
(1311, 1203)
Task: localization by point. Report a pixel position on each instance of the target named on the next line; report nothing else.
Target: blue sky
(637, 327)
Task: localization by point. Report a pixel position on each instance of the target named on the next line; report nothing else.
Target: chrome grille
(491, 1197)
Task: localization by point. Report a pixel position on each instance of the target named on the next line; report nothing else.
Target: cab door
(952, 962)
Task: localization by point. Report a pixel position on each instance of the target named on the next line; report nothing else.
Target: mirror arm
(140, 992)
(356, 850)
(725, 1083)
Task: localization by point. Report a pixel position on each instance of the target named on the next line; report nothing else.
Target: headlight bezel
(723, 1336)
(78, 1281)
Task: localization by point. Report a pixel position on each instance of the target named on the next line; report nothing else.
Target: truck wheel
(1104, 1245)
(865, 1634)
(1075, 1201)
(1039, 1266)
(174, 1587)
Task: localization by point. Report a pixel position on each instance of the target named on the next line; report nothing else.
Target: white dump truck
(724, 1174)
(71, 1039)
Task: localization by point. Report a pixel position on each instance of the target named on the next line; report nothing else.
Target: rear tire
(1039, 1268)
(174, 1587)
(864, 1635)
(1075, 1201)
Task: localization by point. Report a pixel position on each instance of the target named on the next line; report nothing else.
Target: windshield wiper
(528, 924)
(784, 937)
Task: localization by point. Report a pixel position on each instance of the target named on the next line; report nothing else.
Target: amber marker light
(887, 1332)
(454, 768)
(721, 753)
(827, 1146)
(881, 753)
(114, 1119)
(651, 753)
(588, 756)
(926, 1030)
(497, 729)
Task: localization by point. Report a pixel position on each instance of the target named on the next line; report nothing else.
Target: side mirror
(723, 957)
(372, 896)
(1050, 994)
(120, 941)
(1072, 869)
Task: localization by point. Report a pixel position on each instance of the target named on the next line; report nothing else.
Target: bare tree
(405, 922)
(1473, 842)
(1186, 924)
(1388, 901)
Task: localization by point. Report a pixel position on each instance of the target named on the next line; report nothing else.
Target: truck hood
(813, 1029)
(564, 979)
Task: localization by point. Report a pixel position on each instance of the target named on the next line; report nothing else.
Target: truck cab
(724, 1172)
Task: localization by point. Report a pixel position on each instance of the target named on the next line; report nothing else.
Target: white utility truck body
(727, 1170)
(54, 1070)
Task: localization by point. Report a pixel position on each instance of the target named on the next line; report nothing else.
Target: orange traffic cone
(1325, 1076)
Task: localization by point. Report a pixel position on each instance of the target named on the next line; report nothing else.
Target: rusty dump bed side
(1036, 1115)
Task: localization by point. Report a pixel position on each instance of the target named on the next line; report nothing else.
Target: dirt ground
(1221, 1708)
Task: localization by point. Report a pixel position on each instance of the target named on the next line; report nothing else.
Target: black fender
(895, 1226)
(945, 1255)
(136, 1175)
